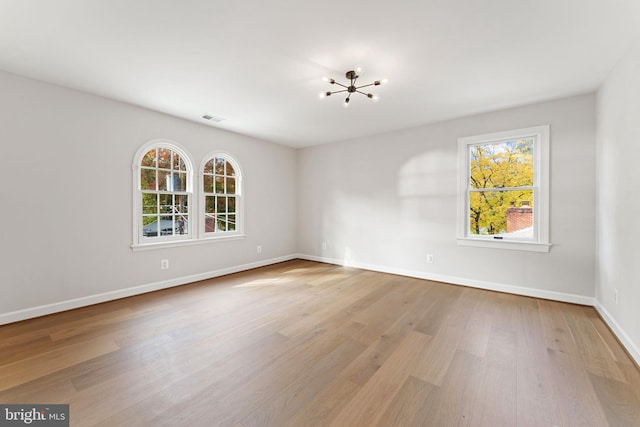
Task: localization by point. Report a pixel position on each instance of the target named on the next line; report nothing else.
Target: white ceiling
(259, 64)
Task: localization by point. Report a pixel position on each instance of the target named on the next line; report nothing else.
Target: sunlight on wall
(421, 175)
(369, 210)
(344, 218)
(348, 261)
(427, 185)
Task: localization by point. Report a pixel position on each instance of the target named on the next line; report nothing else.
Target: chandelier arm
(340, 84)
(338, 91)
(370, 84)
(365, 94)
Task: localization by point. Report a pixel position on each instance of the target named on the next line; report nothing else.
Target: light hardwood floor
(309, 344)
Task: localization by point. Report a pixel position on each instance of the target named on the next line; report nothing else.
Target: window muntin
(164, 190)
(221, 196)
(504, 189)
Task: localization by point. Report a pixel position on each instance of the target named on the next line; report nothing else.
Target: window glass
(494, 168)
(221, 192)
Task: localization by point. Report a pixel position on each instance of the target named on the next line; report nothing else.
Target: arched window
(221, 196)
(164, 188)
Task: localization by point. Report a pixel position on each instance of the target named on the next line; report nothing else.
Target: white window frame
(139, 241)
(540, 241)
(222, 235)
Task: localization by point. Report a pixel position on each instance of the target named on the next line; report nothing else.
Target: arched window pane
(164, 197)
(221, 191)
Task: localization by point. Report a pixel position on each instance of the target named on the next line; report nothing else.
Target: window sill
(179, 243)
(502, 244)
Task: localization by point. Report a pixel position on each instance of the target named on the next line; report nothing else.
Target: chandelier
(351, 87)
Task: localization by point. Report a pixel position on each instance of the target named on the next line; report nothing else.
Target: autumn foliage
(501, 176)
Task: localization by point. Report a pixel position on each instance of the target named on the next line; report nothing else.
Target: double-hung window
(504, 194)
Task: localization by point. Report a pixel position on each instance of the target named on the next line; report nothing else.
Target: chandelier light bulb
(375, 97)
(358, 70)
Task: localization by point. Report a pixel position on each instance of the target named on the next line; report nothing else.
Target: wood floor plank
(439, 353)
(384, 312)
(620, 404)
(82, 326)
(72, 335)
(302, 343)
(476, 334)
(406, 405)
(597, 355)
(210, 340)
(362, 368)
(295, 396)
(632, 375)
(43, 389)
(438, 307)
(496, 402)
(614, 346)
(27, 370)
(531, 332)
(171, 383)
(453, 403)
(369, 404)
(326, 405)
(537, 404)
(236, 398)
(558, 336)
(578, 402)
(349, 294)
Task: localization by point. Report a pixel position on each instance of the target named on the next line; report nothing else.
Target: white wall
(386, 201)
(66, 198)
(618, 202)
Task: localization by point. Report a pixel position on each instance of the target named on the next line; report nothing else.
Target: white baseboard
(28, 313)
(481, 284)
(627, 342)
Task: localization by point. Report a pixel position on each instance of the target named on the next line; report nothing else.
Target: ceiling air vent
(212, 118)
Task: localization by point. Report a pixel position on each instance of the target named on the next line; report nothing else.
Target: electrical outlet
(164, 264)
(615, 295)
(430, 258)
(259, 249)
(324, 246)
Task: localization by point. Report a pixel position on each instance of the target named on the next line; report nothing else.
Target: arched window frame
(238, 196)
(139, 240)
